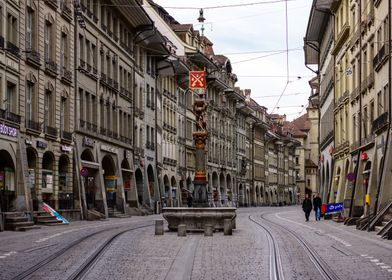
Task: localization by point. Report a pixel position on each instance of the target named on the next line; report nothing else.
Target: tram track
(80, 272)
(324, 269)
(275, 267)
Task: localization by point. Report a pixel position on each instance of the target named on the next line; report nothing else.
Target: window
(63, 52)
(47, 110)
(10, 98)
(62, 113)
(12, 29)
(47, 41)
(30, 29)
(29, 101)
(365, 121)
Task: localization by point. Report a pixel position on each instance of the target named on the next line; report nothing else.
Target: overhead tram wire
(287, 59)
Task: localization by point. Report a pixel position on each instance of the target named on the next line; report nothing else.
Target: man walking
(307, 206)
(317, 206)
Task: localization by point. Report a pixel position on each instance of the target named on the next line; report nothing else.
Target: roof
(310, 163)
(182, 27)
(298, 127)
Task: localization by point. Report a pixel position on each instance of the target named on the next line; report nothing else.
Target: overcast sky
(260, 29)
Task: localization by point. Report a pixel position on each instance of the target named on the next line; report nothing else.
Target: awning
(202, 60)
(126, 170)
(172, 66)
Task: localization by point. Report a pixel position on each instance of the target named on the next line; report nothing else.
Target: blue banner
(334, 207)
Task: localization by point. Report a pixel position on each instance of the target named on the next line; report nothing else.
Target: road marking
(316, 230)
(5, 255)
(2, 257)
(385, 266)
(389, 270)
(374, 260)
(363, 255)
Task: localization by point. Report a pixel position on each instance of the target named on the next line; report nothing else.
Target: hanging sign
(364, 156)
(84, 172)
(197, 79)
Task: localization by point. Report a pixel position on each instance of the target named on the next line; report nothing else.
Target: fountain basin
(196, 218)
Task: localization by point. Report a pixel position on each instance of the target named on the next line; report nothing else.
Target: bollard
(227, 230)
(208, 230)
(181, 230)
(233, 224)
(158, 227)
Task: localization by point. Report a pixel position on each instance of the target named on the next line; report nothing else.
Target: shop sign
(88, 142)
(42, 145)
(8, 131)
(65, 148)
(197, 80)
(109, 149)
(364, 156)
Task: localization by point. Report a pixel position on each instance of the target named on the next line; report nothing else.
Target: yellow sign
(367, 198)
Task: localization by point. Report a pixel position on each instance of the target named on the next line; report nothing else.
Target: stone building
(12, 190)
(319, 42)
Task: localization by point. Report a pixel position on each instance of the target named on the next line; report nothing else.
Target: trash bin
(157, 207)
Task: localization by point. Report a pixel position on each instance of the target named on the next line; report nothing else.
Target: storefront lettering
(28, 142)
(109, 149)
(65, 148)
(42, 145)
(88, 142)
(7, 130)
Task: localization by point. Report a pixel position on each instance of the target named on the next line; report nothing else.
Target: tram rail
(81, 271)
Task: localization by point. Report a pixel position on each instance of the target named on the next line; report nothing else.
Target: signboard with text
(334, 207)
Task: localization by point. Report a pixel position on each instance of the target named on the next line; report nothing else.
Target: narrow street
(128, 249)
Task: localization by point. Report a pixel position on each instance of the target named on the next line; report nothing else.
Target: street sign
(84, 172)
(197, 80)
(334, 207)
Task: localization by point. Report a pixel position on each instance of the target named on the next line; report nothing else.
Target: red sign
(197, 79)
(364, 156)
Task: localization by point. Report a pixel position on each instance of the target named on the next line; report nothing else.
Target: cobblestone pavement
(139, 254)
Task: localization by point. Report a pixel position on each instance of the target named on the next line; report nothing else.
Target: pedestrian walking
(317, 206)
(190, 200)
(307, 206)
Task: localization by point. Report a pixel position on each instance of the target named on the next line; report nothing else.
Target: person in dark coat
(307, 206)
(317, 206)
(190, 200)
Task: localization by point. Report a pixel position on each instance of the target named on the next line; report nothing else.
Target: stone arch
(87, 155)
(151, 181)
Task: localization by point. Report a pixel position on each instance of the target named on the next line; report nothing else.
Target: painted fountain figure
(200, 215)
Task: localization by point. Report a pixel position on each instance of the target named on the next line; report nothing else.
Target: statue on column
(200, 111)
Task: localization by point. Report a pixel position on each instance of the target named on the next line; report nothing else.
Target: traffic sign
(84, 172)
(351, 176)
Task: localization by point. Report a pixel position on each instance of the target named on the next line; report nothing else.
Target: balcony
(33, 125)
(65, 135)
(51, 3)
(103, 78)
(66, 76)
(94, 128)
(102, 131)
(33, 57)
(380, 58)
(88, 68)
(380, 122)
(341, 38)
(110, 33)
(13, 49)
(115, 84)
(66, 11)
(82, 123)
(9, 116)
(51, 67)
(82, 63)
(115, 37)
(354, 95)
(95, 71)
(89, 125)
(110, 82)
(51, 131)
(103, 27)
(367, 140)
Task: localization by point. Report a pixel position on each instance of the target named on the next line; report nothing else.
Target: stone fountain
(197, 217)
